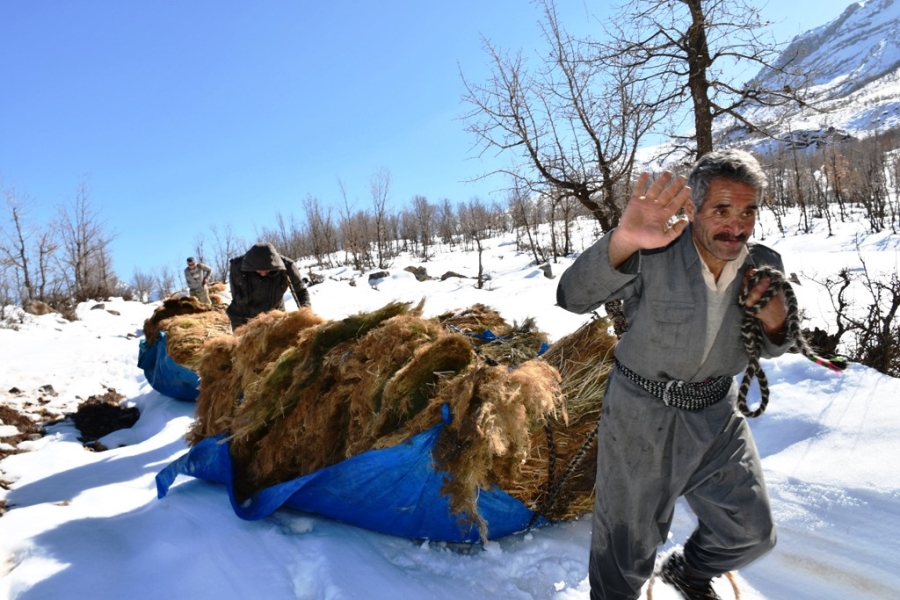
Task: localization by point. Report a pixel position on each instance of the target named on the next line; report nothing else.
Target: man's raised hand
(656, 214)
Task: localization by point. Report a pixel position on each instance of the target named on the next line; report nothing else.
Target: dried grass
(219, 390)
(496, 341)
(584, 360)
(186, 334)
(297, 394)
(188, 324)
(273, 392)
(495, 412)
(229, 364)
(172, 307)
(475, 319)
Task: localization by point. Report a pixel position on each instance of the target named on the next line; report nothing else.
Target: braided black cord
(751, 334)
(553, 490)
(551, 470)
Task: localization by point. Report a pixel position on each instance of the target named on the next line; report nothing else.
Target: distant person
(668, 425)
(259, 280)
(197, 275)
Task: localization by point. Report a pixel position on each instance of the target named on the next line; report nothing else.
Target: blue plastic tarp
(164, 374)
(395, 490)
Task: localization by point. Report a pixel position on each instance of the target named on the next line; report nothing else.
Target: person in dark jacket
(259, 280)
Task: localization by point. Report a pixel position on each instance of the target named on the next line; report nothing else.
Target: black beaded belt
(682, 394)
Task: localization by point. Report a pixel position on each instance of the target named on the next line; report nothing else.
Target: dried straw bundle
(364, 388)
(186, 334)
(557, 478)
(273, 392)
(584, 359)
(496, 413)
(475, 319)
(229, 364)
(172, 307)
(512, 344)
(219, 391)
(216, 290)
(398, 372)
(188, 324)
(314, 394)
(520, 343)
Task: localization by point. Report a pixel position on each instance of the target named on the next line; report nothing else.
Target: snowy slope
(85, 524)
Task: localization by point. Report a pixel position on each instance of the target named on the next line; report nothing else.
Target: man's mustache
(725, 237)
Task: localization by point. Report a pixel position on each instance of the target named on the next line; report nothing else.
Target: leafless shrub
(874, 327)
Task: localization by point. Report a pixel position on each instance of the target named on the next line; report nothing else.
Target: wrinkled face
(724, 223)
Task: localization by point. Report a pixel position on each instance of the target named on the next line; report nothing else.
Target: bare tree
(143, 285)
(200, 247)
(323, 235)
(226, 245)
(836, 168)
(394, 228)
(684, 48)
(8, 297)
(164, 279)
(287, 235)
(85, 249)
(425, 215)
(564, 209)
(870, 182)
(356, 234)
(409, 232)
(475, 222)
(894, 175)
(28, 254)
(15, 245)
(874, 328)
(526, 216)
(574, 124)
(379, 187)
(446, 218)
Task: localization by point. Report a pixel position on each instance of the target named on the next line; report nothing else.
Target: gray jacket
(664, 301)
(196, 277)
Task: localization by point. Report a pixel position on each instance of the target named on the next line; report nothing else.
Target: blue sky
(182, 115)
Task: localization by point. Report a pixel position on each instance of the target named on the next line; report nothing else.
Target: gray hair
(736, 165)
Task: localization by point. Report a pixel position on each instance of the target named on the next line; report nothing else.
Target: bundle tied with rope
(751, 335)
(294, 393)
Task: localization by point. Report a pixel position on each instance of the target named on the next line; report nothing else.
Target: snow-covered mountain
(853, 64)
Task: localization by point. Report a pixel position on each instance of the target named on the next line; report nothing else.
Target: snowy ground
(88, 524)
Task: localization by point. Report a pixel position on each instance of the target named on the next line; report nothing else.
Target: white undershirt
(716, 302)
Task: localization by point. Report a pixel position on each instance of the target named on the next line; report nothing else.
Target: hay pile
(294, 394)
(568, 460)
(494, 339)
(217, 290)
(188, 324)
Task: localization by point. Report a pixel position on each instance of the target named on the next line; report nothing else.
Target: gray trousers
(648, 456)
(201, 294)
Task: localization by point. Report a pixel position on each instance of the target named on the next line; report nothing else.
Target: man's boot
(676, 573)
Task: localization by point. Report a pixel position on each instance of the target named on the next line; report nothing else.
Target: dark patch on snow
(101, 415)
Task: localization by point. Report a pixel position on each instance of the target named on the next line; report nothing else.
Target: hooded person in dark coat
(259, 280)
